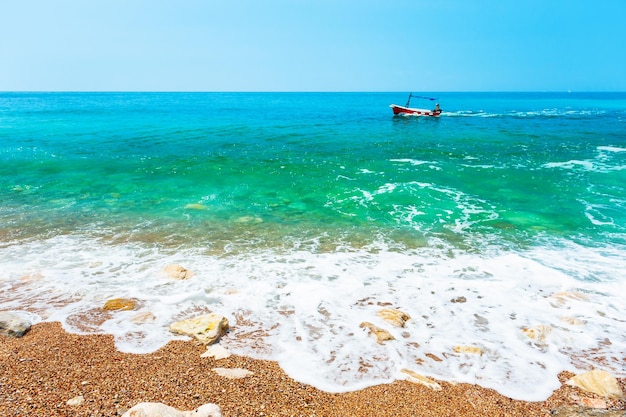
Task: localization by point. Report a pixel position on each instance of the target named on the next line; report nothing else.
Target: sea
(499, 228)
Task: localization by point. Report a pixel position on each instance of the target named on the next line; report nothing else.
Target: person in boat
(437, 108)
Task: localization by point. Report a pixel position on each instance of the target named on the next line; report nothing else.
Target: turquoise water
(505, 167)
(330, 183)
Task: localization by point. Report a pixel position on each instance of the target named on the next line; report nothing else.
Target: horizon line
(311, 91)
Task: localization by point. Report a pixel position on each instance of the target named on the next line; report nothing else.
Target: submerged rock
(396, 317)
(196, 206)
(120, 304)
(382, 335)
(177, 271)
(248, 219)
(162, 410)
(143, 317)
(13, 325)
(416, 378)
(572, 320)
(538, 333)
(473, 350)
(207, 329)
(31, 277)
(598, 382)
(559, 299)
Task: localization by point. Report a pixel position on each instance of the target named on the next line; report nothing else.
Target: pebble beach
(46, 368)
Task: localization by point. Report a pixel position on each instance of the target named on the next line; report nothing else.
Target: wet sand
(41, 371)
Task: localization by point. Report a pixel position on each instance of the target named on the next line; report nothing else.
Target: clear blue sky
(312, 45)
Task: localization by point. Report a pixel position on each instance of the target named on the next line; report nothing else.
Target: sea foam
(304, 309)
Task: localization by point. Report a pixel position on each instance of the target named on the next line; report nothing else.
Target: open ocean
(303, 214)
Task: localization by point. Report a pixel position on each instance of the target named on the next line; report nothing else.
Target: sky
(312, 45)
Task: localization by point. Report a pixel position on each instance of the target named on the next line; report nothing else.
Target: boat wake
(545, 113)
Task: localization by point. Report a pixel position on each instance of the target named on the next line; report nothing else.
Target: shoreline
(45, 368)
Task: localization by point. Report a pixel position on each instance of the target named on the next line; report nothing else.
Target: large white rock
(597, 381)
(13, 325)
(207, 329)
(162, 410)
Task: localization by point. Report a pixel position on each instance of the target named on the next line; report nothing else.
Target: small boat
(411, 111)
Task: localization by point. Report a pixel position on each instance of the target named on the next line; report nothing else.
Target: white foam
(415, 162)
(305, 309)
(596, 217)
(611, 149)
(606, 160)
(588, 165)
(478, 166)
